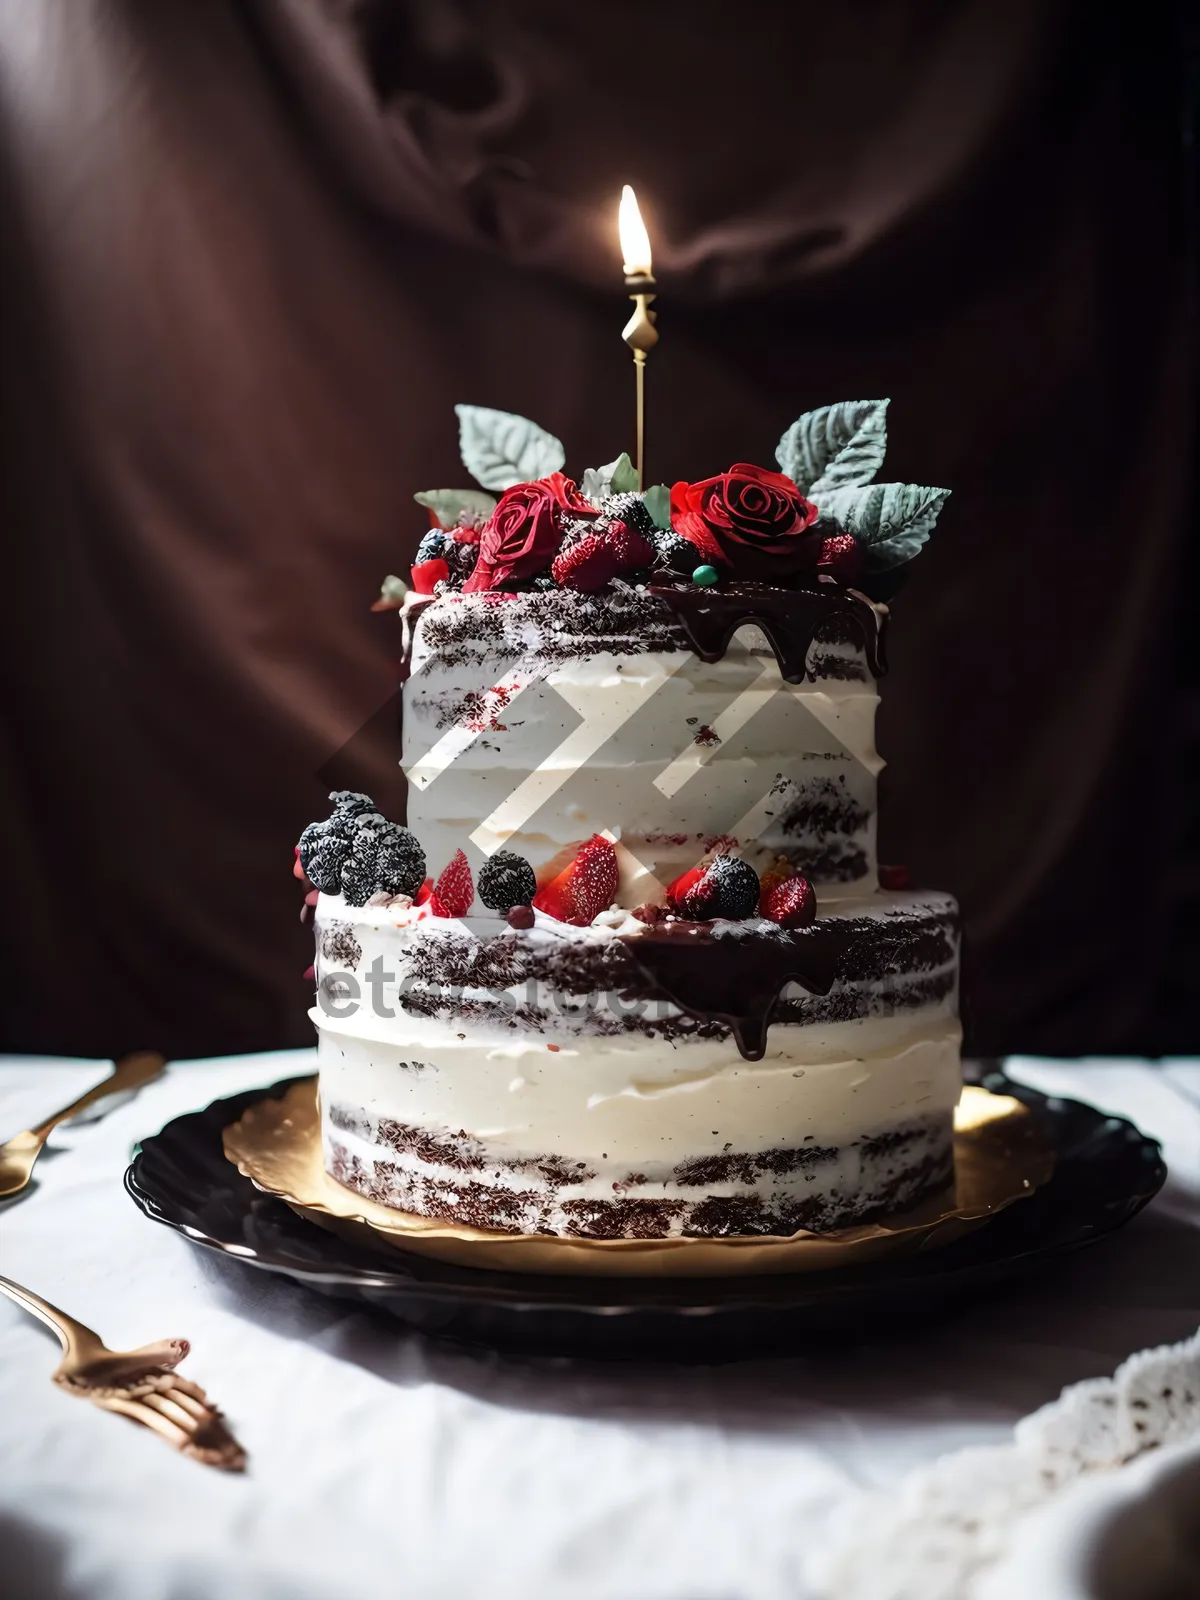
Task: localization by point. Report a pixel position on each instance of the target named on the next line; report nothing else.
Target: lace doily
(934, 1535)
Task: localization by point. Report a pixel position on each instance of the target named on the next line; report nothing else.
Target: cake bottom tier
(835, 1126)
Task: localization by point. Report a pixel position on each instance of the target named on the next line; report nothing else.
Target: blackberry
(399, 861)
(673, 553)
(460, 557)
(432, 546)
(630, 508)
(360, 870)
(506, 880)
(325, 863)
(309, 841)
(348, 805)
(729, 888)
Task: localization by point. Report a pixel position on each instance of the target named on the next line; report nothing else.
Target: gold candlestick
(639, 333)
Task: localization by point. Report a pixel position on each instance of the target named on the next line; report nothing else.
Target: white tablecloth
(385, 1464)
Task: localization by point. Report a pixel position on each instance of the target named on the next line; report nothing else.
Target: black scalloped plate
(1106, 1172)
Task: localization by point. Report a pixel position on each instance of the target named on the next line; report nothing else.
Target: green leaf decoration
(499, 449)
(658, 504)
(835, 447)
(892, 519)
(393, 588)
(618, 477)
(448, 505)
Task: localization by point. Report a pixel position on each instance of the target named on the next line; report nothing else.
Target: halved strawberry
(424, 892)
(585, 888)
(679, 888)
(454, 890)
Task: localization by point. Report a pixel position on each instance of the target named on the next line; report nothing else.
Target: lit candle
(640, 334)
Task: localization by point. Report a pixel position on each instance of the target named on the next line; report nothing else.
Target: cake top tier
(820, 519)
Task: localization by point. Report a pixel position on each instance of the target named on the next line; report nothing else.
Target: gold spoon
(138, 1384)
(18, 1155)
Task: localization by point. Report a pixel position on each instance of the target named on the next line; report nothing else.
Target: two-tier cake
(630, 970)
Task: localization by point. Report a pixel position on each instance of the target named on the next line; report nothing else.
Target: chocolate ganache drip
(790, 619)
(737, 979)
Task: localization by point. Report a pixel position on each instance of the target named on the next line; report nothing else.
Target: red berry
(587, 565)
(520, 916)
(792, 903)
(453, 892)
(681, 887)
(895, 878)
(628, 545)
(424, 892)
(426, 573)
(583, 889)
(309, 974)
(841, 558)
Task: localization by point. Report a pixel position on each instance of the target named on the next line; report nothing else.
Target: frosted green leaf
(658, 504)
(618, 477)
(393, 588)
(835, 447)
(892, 519)
(499, 449)
(448, 505)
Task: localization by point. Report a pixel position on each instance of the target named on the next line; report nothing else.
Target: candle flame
(635, 241)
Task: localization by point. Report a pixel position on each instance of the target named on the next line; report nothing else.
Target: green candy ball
(705, 577)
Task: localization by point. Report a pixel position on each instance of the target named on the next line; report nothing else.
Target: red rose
(523, 534)
(753, 520)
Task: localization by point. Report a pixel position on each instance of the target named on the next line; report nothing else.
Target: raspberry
(360, 870)
(521, 917)
(399, 861)
(454, 890)
(889, 877)
(506, 880)
(729, 887)
(433, 546)
(792, 903)
(778, 872)
(841, 558)
(585, 888)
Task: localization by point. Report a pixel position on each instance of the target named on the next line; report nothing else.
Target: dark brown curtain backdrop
(253, 250)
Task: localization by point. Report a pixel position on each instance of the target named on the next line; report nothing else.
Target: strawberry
(630, 547)
(586, 565)
(426, 573)
(595, 559)
(792, 903)
(583, 889)
(424, 892)
(680, 887)
(452, 894)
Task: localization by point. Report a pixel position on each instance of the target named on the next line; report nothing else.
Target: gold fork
(18, 1155)
(138, 1384)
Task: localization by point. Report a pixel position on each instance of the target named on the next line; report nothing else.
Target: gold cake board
(1000, 1156)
